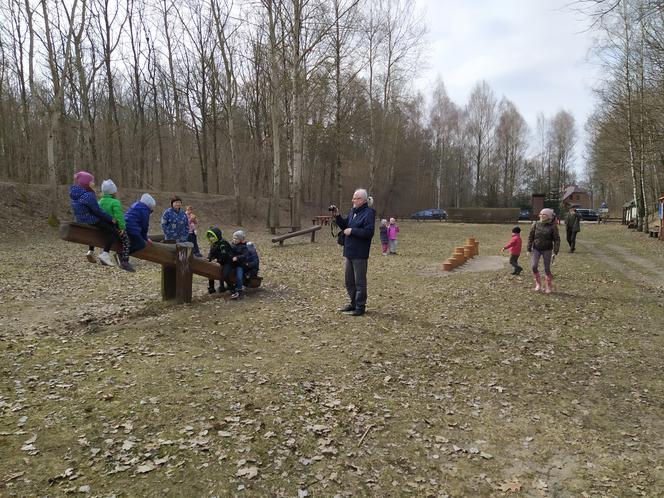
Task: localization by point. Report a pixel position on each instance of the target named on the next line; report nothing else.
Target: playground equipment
(462, 254)
(177, 262)
(312, 230)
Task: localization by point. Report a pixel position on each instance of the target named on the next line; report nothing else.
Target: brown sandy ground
(468, 384)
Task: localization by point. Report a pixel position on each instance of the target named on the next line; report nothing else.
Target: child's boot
(549, 284)
(538, 282)
(90, 255)
(106, 259)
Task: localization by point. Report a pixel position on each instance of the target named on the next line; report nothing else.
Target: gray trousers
(356, 281)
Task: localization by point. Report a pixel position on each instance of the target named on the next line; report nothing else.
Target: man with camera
(358, 230)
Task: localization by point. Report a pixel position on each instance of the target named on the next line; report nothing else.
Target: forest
(304, 100)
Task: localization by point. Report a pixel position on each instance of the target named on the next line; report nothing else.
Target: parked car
(588, 214)
(429, 214)
(524, 214)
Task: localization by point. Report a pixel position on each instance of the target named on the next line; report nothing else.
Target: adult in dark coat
(573, 227)
(358, 229)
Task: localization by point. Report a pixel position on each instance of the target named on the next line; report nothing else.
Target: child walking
(384, 240)
(514, 245)
(193, 230)
(86, 210)
(112, 206)
(544, 242)
(392, 232)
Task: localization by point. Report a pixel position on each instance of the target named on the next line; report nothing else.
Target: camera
(332, 208)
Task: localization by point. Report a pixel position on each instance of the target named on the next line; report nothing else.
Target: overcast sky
(534, 52)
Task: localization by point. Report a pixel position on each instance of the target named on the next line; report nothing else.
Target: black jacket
(240, 252)
(220, 250)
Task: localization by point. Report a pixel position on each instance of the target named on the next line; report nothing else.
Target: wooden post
(313, 236)
(167, 283)
(183, 274)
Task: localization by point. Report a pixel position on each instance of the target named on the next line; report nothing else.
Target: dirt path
(648, 272)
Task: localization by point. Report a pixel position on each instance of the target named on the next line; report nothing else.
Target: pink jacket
(392, 232)
(514, 245)
(193, 223)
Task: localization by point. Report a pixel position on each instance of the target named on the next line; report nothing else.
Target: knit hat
(239, 235)
(108, 187)
(383, 221)
(83, 178)
(548, 212)
(148, 200)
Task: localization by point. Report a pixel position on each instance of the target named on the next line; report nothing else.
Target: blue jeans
(239, 276)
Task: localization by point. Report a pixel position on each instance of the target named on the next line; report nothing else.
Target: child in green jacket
(112, 206)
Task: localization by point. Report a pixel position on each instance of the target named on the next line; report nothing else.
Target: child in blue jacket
(137, 220)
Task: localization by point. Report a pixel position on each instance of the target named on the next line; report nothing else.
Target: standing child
(384, 241)
(193, 230)
(544, 242)
(392, 232)
(86, 210)
(514, 245)
(112, 206)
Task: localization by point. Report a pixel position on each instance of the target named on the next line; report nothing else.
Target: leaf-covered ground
(461, 384)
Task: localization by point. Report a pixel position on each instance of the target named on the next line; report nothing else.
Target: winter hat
(239, 235)
(148, 200)
(108, 187)
(548, 212)
(83, 179)
(383, 221)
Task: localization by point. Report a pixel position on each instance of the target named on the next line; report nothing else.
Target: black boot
(348, 308)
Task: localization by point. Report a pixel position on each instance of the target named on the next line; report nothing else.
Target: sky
(533, 52)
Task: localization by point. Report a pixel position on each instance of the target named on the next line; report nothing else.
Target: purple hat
(83, 178)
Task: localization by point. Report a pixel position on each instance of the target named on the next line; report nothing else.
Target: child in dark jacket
(239, 257)
(221, 252)
(137, 220)
(514, 246)
(86, 210)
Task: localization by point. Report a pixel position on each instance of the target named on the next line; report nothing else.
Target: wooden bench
(312, 230)
(321, 220)
(177, 261)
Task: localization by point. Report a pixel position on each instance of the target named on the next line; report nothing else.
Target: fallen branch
(371, 426)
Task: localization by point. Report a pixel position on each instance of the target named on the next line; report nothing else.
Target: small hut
(629, 213)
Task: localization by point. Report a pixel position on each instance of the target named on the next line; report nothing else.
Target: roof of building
(572, 189)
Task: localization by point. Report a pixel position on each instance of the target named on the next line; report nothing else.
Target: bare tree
(55, 104)
(481, 120)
